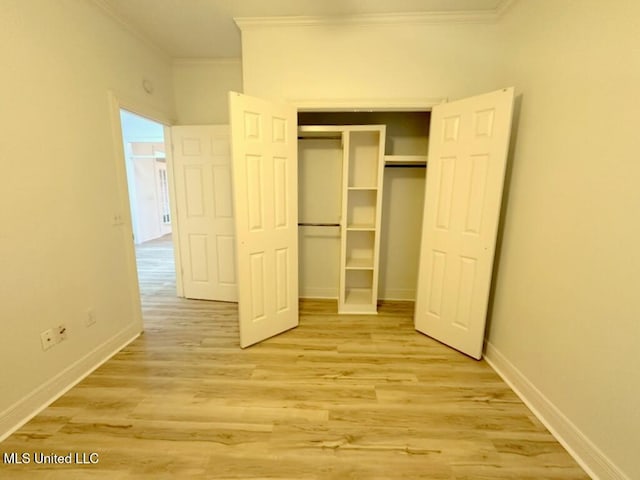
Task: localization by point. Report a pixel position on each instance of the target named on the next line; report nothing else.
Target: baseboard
(589, 456)
(401, 294)
(327, 293)
(28, 407)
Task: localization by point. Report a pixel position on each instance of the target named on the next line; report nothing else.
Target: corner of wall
(583, 451)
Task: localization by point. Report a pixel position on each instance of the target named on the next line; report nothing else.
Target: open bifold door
(265, 179)
(468, 145)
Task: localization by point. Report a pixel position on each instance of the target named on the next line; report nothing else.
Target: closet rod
(406, 165)
(307, 224)
(315, 137)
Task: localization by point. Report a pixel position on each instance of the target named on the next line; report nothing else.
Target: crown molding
(411, 18)
(106, 8)
(366, 104)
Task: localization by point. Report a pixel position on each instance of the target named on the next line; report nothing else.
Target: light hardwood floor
(340, 397)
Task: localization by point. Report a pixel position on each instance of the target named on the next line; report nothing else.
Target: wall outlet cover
(62, 333)
(47, 339)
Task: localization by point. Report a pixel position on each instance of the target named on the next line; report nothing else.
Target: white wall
(402, 203)
(566, 312)
(373, 61)
(201, 88)
(60, 253)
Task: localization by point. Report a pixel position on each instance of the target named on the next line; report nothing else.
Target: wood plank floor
(340, 397)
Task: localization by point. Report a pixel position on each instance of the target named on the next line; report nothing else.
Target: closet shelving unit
(362, 174)
(362, 208)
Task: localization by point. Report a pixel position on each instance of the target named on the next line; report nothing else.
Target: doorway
(145, 160)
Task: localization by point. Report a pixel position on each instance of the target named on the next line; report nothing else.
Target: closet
(467, 143)
(368, 169)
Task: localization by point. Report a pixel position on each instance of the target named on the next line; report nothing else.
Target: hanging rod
(307, 224)
(405, 165)
(315, 137)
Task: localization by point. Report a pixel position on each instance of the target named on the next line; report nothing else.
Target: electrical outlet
(61, 331)
(91, 317)
(47, 339)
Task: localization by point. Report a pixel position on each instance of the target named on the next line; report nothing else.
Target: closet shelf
(320, 131)
(359, 264)
(361, 227)
(357, 296)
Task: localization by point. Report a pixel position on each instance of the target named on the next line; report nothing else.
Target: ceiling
(205, 28)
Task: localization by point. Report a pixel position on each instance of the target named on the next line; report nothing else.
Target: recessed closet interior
(320, 197)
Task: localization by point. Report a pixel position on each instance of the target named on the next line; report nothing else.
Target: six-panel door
(467, 157)
(265, 179)
(204, 205)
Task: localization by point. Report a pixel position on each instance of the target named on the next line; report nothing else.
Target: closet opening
(320, 206)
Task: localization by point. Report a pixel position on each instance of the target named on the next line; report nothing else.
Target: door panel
(264, 146)
(467, 159)
(204, 204)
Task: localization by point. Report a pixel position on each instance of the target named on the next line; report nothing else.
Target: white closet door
(202, 170)
(467, 156)
(265, 179)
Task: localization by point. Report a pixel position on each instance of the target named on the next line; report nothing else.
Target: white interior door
(265, 177)
(204, 204)
(468, 146)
